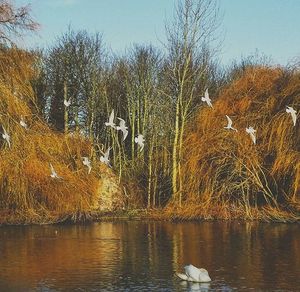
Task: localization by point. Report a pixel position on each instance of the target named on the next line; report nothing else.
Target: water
(143, 256)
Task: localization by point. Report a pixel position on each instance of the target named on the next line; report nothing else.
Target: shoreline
(166, 214)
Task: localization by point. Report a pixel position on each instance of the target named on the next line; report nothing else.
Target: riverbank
(170, 213)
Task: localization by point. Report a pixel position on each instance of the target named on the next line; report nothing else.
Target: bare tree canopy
(14, 21)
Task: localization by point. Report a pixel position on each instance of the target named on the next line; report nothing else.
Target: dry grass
(26, 189)
(225, 174)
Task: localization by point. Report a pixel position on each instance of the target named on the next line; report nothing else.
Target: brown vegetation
(26, 189)
(225, 174)
(190, 163)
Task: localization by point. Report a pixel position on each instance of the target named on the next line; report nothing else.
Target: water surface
(143, 256)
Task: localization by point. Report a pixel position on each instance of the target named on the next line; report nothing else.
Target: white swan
(193, 274)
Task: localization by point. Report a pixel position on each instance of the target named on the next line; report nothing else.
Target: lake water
(143, 256)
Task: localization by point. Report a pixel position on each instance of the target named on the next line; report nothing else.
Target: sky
(271, 27)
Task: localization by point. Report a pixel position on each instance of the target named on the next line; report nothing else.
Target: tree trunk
(180, 188)
(175, 154)
(150, 174)
(66, 115)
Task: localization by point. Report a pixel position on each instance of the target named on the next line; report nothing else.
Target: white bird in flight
(229, 125)
(140, 141)
(53, 172)
(87, 163)
(123, 128)
(206, 98)
(111, 120)
(193, 274)
(105, 157)
(251, 132)
(291, 111)
(6, 137)
(67, 103)
(23, 124)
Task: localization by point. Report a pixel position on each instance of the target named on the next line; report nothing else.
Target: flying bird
(53, 172)
(87, 163)
(206, 98)
(251, 132)
(229, 125)
(123, 128)
(6, 137)
(105, 157)
(291, 111)
(23, 124)
(193, 274)
(111, 120)
(67, 103)
(140, 141)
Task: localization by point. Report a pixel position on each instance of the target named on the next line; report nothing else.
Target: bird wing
(182, 276)
(142, 146)
(52, 169)
(122, 123)
(229, 122)
(206, 94)
(250, 130)
(294, 117)
(7, 138)
(125, 133)
(203, 271)
(253, 137)
(111, 117)
(5, 133)
(106, 154)
(192, 272)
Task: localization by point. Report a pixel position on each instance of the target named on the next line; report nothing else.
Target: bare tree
(14, 21)
(188, 42)
(73, 68)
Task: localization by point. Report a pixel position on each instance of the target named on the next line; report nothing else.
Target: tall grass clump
(26, 189)
(225, 174)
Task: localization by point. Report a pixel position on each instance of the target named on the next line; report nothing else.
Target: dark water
(143, 256)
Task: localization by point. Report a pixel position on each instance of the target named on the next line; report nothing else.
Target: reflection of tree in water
(146, 254)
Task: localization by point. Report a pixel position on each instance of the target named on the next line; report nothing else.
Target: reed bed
(27, 191)
(225, 174)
